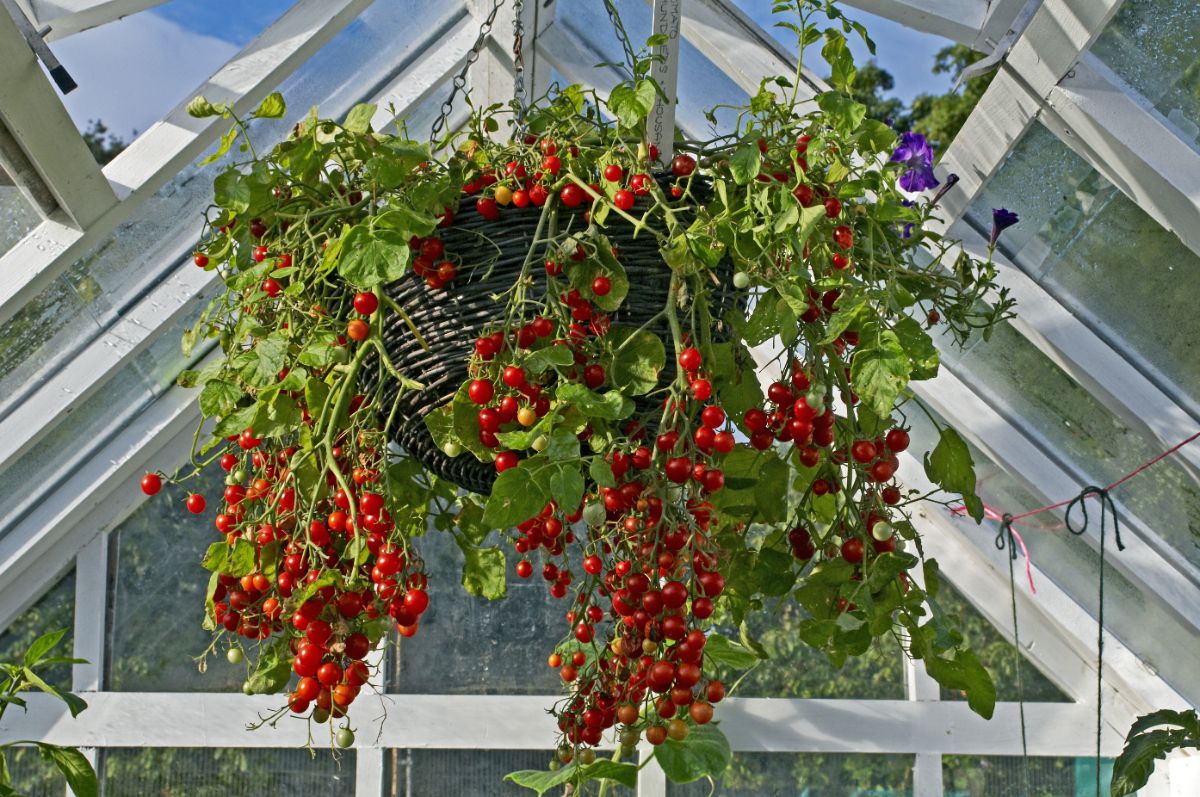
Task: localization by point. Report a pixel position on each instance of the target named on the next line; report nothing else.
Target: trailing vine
(640, 466)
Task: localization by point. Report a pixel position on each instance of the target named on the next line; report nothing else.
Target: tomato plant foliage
(734, 447)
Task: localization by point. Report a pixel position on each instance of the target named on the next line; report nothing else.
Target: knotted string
(1106, 507)
(1006, 536)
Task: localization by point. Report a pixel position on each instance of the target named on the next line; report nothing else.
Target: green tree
(104, 144)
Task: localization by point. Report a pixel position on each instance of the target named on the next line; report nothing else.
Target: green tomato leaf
(199, 107)
(551, 356)
(720, 650)
(542, 781)
(842, 112)
(273, 107)
(745, 163)
(879, 371)
(610, 406)
(704, 753)
(483, 571)
(370, 258)
(272, 671)
(950, 467)
(358, 120)
(512, 501)
(231, 191)
(638, 358)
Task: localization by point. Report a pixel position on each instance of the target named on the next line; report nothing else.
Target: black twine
(1106, 507)
(1005, 537)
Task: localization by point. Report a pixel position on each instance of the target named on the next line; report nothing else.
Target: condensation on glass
(1152, 45)
(989, 776)
(417, 772)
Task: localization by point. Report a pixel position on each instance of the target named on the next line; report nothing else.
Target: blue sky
(133, 71)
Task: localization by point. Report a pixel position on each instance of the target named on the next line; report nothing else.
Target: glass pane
(1166, 644)
(797, 670)
(1006, 776)
(54, 611)
(1152, 45)
(32, 775)
(100, 286)
(701, 84)
(1099, 254)
(996, 654)
(417, 773)
(1024, 383)
(17, 216)
(157, 599)
(808, 774)
(24, 480)
(225, 772)
(470, 645)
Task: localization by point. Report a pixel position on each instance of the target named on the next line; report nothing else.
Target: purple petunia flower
(951, 181)
(1002, 219)
(916, 154)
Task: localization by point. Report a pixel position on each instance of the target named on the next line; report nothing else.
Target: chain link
(518, 51)
(460, 80)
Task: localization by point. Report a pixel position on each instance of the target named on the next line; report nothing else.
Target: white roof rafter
(67, 17)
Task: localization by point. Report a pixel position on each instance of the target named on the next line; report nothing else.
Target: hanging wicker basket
(492, 254)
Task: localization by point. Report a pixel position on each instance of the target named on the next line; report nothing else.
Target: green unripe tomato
(239, 475)
(882, 531)
(246, 690)
(816, 399)
(593, 513)
(451, 449)
(587, 756)
(741, 280)
(344, 737)
(629, 738)
(540, 443)
(628, 751)
(235, 656)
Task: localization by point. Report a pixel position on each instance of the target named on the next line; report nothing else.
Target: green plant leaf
(43, 645)
(358, 120)
(842, 112)
(483, 571)
(272, 671)
(950, 467)
(611, 405)
(199, 107)
(745, 163)
(603, 263)
(75, 704)
(231, 191)
(704, 753)
(1148, 741)
(639, 357)
(75, 768)
(270, 355)
(879, 371)
(219, 398)
(373, 258)
(551, 356)
(730, 654)
(543, 781)
(272, 107)
(511, 501)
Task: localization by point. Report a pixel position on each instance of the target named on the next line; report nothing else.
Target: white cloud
(131, 72)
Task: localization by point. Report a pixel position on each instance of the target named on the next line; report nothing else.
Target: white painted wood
(33, 113)
(425, 76)
(1131, 144)
(997, 23)
(91, 614)
(368, 772)
(68, 17)
(957, 20)
(502, 722)
(1052, 42)
(652, 781)
(1183, 772)
(660, 125)
(156, 155)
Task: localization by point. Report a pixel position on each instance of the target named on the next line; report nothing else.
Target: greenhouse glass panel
(159, 237)
(54, 611)
(156, 608)
(417, 773)
(1023, 383)
(1161, 640)
(17, 215)
(1081, 238)
(808, 774)
(33, 775)
(996, 653)
(1007, 776)
(1152, 44)
(225, 772)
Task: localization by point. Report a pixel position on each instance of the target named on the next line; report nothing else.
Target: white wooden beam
(1001, 14)
(33, 113)
(956, 20)
(159, 153)
(91, 615)
(426, 75)
(68, 17)
(502, 722)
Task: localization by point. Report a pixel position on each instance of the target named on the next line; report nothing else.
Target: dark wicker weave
(491, 254)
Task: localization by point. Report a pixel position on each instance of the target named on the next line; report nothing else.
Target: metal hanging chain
(622, 36)
(518, 52)
(460, 80)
